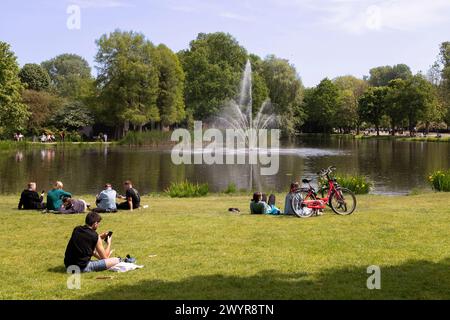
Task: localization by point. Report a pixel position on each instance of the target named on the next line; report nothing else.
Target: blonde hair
(58, 185)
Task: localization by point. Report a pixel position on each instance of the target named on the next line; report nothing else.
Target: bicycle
(306, 201)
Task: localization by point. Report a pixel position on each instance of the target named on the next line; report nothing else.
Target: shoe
(129, 259)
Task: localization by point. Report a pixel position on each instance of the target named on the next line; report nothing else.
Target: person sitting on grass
(54, 196)
(30, 199)
(270, 208)
(86, 243)
(72, 206)
(132, 196)
(106, 200)
(257, 206)
(288, 200)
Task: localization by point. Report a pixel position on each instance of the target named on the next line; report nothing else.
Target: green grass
(204, 252)
(187, 189)
(440, 180)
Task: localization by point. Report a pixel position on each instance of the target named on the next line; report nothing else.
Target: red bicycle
(306, 201)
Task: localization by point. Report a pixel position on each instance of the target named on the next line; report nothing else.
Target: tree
(128, 80)
(42, 106)
(170, 99)
(381, 76)
(372, 106)
(13, 113)
(321, 104)
(260, 91)
(351, 90)
(285, 92)
(213, 66)
(72, 116)
(70, 76)
(35, 77)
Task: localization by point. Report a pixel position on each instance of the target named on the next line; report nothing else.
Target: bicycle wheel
(298, 207)
(343, 202)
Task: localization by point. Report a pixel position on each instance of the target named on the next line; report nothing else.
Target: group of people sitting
(60, 201)
(260, 204)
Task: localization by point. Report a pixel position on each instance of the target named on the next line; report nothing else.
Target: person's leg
(98, 210)
(101, 265)
(123, 206)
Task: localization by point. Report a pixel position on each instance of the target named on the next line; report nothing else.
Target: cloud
(234, 16)
(100, 3)
(374, 15)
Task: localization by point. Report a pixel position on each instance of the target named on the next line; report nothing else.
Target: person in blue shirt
(106, 200)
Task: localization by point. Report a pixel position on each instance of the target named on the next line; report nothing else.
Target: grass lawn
(204, 252)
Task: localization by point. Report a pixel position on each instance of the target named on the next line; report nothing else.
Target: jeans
(95, 265)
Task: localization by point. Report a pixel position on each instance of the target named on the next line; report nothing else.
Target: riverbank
(196, 249)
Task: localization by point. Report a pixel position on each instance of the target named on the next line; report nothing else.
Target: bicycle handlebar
(326, 171)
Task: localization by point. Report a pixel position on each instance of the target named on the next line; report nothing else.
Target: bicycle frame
(312, 192)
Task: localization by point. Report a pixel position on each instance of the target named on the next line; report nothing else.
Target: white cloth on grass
(125, 267)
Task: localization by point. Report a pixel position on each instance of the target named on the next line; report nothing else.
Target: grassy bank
(204, 252)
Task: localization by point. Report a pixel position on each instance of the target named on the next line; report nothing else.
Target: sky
(321, 38)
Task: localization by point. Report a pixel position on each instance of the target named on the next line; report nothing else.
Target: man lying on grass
(85, 243)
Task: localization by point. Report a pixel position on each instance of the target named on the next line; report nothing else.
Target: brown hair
(257, 197)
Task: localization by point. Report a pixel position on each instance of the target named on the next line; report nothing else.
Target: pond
(396, 167)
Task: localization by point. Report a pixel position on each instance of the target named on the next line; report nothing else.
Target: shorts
(95, 266)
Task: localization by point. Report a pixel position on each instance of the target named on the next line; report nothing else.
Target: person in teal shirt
(54, 196)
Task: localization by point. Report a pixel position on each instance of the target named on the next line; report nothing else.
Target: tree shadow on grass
(411, 280)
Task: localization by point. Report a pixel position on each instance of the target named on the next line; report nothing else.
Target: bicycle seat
(306, 180)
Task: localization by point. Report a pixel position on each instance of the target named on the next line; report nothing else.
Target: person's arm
(130, 203)
(20, 202)
(101, 251)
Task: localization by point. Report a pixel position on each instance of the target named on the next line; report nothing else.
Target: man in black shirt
(30, 199)
(132, 196)
(85, 243)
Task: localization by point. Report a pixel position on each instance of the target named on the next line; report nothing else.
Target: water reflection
(395, 166)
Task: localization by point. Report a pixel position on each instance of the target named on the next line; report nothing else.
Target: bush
(231, 188)
(356, 183)
(187, 190)
(440, 180)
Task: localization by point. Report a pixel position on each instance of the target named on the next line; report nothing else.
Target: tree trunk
(378, 130)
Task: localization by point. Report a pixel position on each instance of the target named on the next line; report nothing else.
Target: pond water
(396, 167)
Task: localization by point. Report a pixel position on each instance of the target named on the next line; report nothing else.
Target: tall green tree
(128, 80)
(213, 66)
(13, 113)
(42, 106)
(260, 91)
(34, 77)
(285, 92)
(70, 76)
(372, 106)
(321, 104)
(351, 90)
(170, 99)
(381, 76)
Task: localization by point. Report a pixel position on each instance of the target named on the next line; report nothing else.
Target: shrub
(231, 188)
(357, 183)
(440, 180)
(187, 190)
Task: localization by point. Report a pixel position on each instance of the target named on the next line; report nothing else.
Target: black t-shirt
(29, 200)
(81, 247)
(135, 197)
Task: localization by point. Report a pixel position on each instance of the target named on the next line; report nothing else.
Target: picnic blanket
(125, 267)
